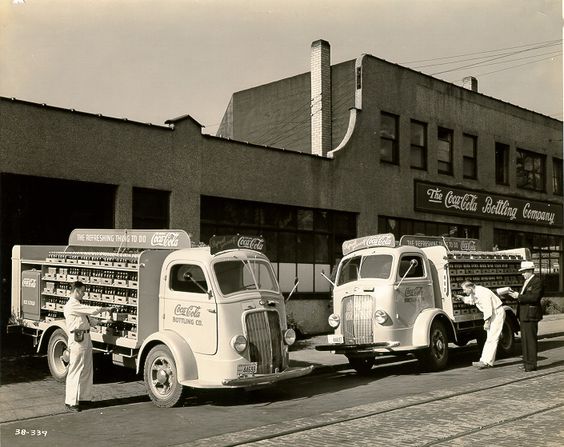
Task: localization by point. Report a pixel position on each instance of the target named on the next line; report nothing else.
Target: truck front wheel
(58, 355)
(435, 357)
(161, 379)
(361, 365)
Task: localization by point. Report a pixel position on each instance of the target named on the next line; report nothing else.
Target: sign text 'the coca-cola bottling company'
(442, 199)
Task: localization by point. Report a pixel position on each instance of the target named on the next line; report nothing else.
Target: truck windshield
(238, 274)
(371, 266)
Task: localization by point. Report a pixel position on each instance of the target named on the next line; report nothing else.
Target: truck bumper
(361, 348)
(266, 379)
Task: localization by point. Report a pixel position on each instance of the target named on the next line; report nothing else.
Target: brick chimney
(320, 97)
(470, 83)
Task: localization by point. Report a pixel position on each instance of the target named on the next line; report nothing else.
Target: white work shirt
(76, 314)
(484, 299)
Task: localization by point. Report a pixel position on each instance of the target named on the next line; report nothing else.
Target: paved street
(392, 397)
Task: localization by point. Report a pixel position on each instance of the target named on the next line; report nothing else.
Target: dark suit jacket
(529, 307)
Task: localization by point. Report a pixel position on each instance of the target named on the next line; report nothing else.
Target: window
(547, 252)
(444, 150)
(188, 278)
(501, 164)
(469, 165)
(418, 145)
(358, 267)
(150, 208)
(300, 242)
(389, 144)
(412, 265)
(530, 170)
(240, 275)
(557, 176)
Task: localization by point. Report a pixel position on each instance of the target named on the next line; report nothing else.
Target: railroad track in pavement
(498, 407)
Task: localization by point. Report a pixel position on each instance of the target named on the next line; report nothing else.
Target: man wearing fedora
(529, 312)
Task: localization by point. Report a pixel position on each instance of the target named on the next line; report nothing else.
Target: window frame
(521, 160)
(557, 176)
(505, 167)
(422, 148)
(394, 139)
(450, 143)
(473, 159)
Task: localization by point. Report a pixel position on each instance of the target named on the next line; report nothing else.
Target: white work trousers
(494, 332)
(80, 376)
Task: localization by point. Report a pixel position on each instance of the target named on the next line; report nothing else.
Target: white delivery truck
(397, 299)
(203, 317)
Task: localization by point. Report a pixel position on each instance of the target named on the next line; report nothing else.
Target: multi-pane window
(301, 242)
(150, 208)
(531, 170)
(557, 176)
(547, 252)
(389, 138)
(418, 145)
(501, 164)
(444, 150)
(469, 164)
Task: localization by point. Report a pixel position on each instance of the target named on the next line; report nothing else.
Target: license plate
(335, 339)
(247, 369)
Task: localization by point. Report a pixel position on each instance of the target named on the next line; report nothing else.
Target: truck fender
(423, 323)
(186, 365)
(46, 335)
(511, 317)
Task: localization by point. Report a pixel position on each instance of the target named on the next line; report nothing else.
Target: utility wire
(482, 57)
(483, 52)
(477, 64)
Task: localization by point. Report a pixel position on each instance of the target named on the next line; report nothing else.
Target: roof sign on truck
(123, 238)
(377, 240)
(236, 242)
(452, 243)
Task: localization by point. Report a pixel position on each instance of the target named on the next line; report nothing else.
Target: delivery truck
(399, 298)
(185, 316)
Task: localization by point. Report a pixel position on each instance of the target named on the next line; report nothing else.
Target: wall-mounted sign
(443, 199)
(163, 239)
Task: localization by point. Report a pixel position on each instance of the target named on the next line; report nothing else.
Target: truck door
(415, 292)
(190, 308)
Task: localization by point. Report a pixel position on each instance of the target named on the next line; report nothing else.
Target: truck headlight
(239, 343)
(334, 321)
(380, 316)
(289, 336)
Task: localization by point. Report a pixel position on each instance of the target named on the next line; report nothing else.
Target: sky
(150, 61)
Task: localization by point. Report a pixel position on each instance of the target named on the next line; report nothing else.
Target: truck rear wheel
(361, 365)
(506, 343)
(58, 355)
(435, 357)
(161, 378)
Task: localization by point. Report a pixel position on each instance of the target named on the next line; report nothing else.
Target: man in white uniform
(80, 373)
(494, 316)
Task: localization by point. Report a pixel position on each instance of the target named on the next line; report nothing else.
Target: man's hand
(487, 324)
(514, 294)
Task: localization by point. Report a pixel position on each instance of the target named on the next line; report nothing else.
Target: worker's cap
(527, 265)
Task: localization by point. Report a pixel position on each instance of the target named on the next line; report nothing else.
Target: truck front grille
(357, 319)
(265, 340)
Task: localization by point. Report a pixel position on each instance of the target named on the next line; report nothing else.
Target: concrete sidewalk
(28, 391)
